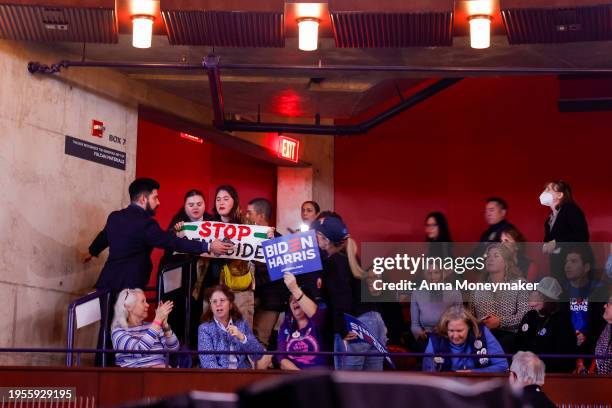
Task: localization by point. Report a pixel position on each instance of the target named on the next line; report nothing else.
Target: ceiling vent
(557, 25)
(59, 22)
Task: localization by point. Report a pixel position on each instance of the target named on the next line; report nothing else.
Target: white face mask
(546, 198)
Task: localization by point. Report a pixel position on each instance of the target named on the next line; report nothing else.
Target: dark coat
(131, 234)
(570, 225)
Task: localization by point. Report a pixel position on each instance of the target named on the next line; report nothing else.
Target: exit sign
(288, 148)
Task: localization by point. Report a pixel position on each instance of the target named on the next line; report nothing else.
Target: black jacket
(552, 334)
(131, 234)
(342, 293)
(533, 396)
(570, 225)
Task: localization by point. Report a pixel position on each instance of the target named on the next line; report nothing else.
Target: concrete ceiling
(332, 95)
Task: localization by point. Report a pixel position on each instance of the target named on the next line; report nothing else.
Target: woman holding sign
(301, 330)
(192, 210)
(342, 277)
(236, 274)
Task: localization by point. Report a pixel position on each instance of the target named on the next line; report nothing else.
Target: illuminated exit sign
(288, 148)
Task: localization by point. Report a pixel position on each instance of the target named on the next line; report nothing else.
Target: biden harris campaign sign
(247, 239)
(363, 334)
(295, 253)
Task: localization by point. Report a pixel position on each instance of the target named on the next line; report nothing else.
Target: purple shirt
(291, 339)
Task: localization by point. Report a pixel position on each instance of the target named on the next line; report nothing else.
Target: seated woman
(301, 330)
(131, 334)
(458, 332)
(547, 328)
(224, 329)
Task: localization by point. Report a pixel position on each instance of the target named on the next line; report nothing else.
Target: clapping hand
(162, 311)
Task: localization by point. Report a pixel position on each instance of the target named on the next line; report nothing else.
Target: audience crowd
(236, 307)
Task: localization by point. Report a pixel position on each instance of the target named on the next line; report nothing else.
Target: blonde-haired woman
(131, 334)
(458, 332)
(502, 310)
(341, 281)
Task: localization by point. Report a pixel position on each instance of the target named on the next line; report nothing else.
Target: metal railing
(104, 296)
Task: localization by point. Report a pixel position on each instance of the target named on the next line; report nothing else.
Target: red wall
(181, 165)
(481, 137)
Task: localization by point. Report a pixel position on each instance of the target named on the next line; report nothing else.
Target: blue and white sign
(295, 253)
(363, 334)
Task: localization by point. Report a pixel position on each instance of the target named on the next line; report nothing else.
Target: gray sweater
(426, 307)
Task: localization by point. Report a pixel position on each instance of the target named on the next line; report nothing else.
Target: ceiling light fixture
(480, 31)
(142, 30)
(308, 33)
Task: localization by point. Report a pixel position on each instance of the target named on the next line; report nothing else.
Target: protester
(500, 311)
(547, 328)
(342, 277)
(300, 330)
(130, 334)
(527, 372)
(224, 329)
(131, 234)
(458, 332)
(192, 210)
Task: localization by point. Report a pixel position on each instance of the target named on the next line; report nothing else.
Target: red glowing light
(192, 137)
(287, 103)
(288, 148)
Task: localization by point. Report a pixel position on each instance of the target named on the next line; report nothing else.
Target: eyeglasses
(127, 293)
(431, 225)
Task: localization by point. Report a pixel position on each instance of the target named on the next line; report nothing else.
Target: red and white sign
(288, 148)
(97, 128)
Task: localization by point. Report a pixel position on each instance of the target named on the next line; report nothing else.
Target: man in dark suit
(131, 234)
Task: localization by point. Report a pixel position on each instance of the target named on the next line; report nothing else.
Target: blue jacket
(492, 365)
(131, 234)
(214, 338)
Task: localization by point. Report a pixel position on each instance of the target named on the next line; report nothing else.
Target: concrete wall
(54, 204)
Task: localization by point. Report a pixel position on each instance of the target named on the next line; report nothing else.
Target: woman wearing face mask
(458, 332)
(503, 310)
(547, 328)
(341, 280)
(566, 223)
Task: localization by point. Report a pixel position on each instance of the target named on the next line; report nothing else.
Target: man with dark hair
(132, 233)
(496, 209)
(587, 297)
(269, 296)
